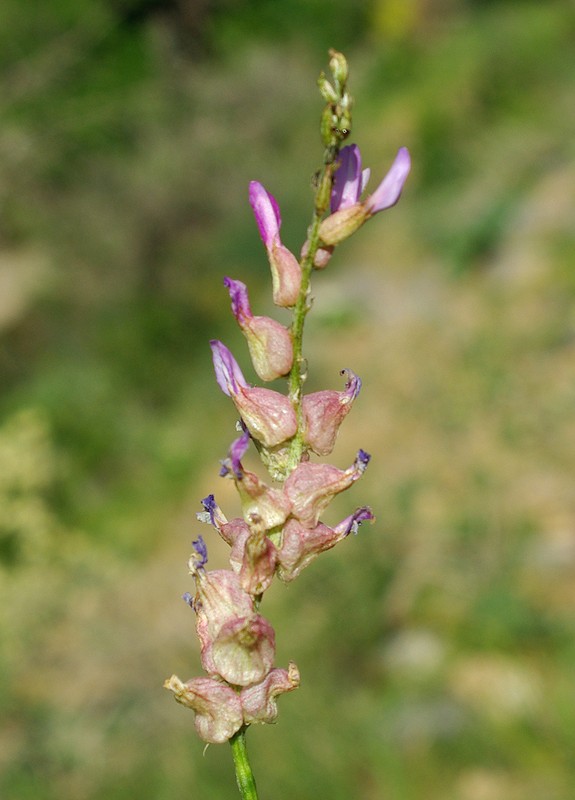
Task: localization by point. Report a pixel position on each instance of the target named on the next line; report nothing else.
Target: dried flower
(217, 706)
(323, 413)
(311, 487)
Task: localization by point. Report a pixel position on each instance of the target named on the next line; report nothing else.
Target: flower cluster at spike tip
(280, 531)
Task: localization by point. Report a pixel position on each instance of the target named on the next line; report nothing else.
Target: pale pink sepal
(259, 701)
(218, 707)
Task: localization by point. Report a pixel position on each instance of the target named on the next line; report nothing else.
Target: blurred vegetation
(129, 130)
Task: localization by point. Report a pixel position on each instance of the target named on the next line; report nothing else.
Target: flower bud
(217, 706)
(322, 255)
(259, 701)
(338, 67)
(311, 487)
(269, 342)
(349, 213)
(326, 90)
(269, 416)
(323, 413)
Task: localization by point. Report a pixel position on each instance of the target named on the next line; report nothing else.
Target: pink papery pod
(324, 411)
(258, 562)
(269, 416)
(311, 487)
(267, 506)
(253, 556)
(217, 706)
(236, 643)
(346, 220)
(301, 545)
(269, 342)
(286, 270)
(259, 701)
(244, 650)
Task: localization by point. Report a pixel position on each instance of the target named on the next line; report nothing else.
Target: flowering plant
(280, 531)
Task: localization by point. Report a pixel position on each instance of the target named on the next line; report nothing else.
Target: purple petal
(352, 384)
(240, 301)
(200, 554)
(267, 213)
(365, 178)
(348, 179)
(228, 374)
(362, 460)
(235, 454)
(211, 507)
(351, 524)
(389, 190)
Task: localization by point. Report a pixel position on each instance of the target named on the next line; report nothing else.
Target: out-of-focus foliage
(436, 648)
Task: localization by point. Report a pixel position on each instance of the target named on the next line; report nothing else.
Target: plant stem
(298, 372)
(244, 775)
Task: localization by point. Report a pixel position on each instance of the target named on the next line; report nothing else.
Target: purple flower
(269, 342)
(236, 452)
(269, 416)
(199, 557)
(286, 270)
(349, 179)
(348, 212)
(389, 190)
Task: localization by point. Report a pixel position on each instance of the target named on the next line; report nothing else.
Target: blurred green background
(436, 648)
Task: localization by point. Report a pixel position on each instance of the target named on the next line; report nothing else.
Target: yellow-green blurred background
(436, 648)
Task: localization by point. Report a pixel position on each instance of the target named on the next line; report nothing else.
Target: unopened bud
(327, 125)
(338, 67)
(326, 90)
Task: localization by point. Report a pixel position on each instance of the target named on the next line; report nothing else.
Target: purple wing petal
(389, 190)
(348, 179)
(228, 373)
(267, 213)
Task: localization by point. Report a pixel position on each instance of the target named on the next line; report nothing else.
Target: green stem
(244, 775)
(298, 372)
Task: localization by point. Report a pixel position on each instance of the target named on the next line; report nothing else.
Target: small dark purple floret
(201, 552)
(209, 504)
(361, 515)
(189, 599)
(363, 459)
